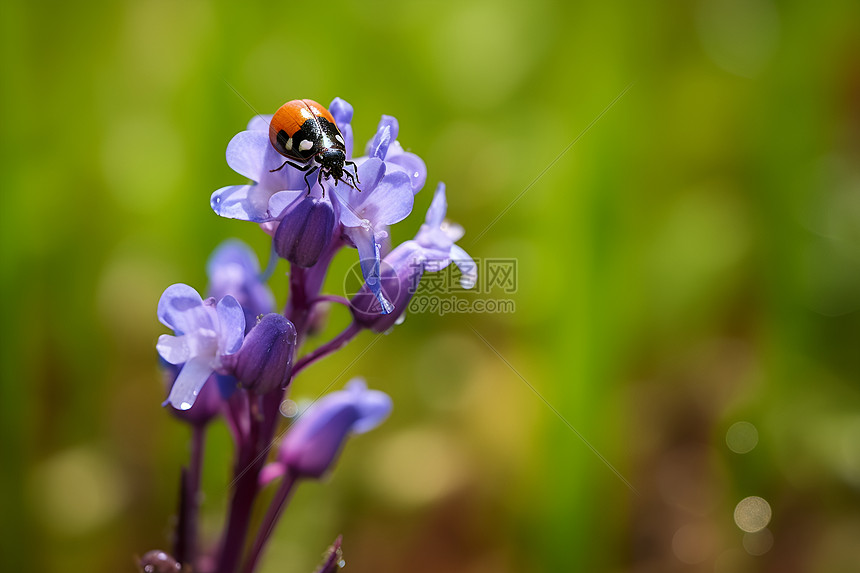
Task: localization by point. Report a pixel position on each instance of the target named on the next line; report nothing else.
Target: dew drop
(341, 563)
(185, 406)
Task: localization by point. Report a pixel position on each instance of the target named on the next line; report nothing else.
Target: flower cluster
(233, 355)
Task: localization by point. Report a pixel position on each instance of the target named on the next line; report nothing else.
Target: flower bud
(264, 363)
(315, 440)
(305, 231)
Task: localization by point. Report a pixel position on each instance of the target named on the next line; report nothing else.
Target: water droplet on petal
(185, 406)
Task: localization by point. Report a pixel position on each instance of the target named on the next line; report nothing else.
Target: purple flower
(432, 250)
(265, 360)
(315, 440)
(233, 269)
(389, 178)
(205, 332)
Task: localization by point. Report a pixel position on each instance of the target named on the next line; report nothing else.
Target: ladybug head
(332, 160)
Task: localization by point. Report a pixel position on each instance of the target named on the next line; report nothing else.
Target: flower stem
(279, 502)
(332, 345)
(250, 461)
(329, 298)
(195, 470)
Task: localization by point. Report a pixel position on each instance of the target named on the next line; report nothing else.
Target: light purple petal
(453, 231)
(341, 111)
(173, 348)
(246, 153)
(386, 133)
(241, 202)
(370, 172)
(232, 319)
(409, 163)
(374, 407)
(284, 178)
(438, 208)
(189, 383)
(391, 201)
(346, 131)
(369, 257)
(279, 202)
(260, 123)
(347, 212)
(467, 266)
(178, 308)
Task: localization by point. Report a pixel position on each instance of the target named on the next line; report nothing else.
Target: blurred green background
(692, 262)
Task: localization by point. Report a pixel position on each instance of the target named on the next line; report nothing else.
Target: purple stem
(329, 298)
(332, 345)
(248, 465)
(279, 502)
(305, 285)
(195, 470)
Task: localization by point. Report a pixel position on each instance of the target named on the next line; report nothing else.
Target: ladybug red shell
(306, 134)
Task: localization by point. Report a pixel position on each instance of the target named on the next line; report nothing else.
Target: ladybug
(305, 133)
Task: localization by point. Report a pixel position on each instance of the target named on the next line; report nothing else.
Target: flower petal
(370, 172)
(246, 153)
(409, 163)
(240, 202)
(181, 308)
(369, 258)
(191, 379)
(232, 322)
(279, 202)
(348, 139)
(174, 349)
(467, 266)
(386, 133)
(341, 111)
(391, 201)
(438, 208)
(374, 406)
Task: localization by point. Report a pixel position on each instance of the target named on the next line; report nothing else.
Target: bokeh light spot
(742, 437)
(758, 543)
(77, 490)
(752, 514)
(289, 408)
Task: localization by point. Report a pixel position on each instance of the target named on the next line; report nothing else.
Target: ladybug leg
(320, 181)
(308, 174)
(291, 164)
(354, 170)
(351, 181)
